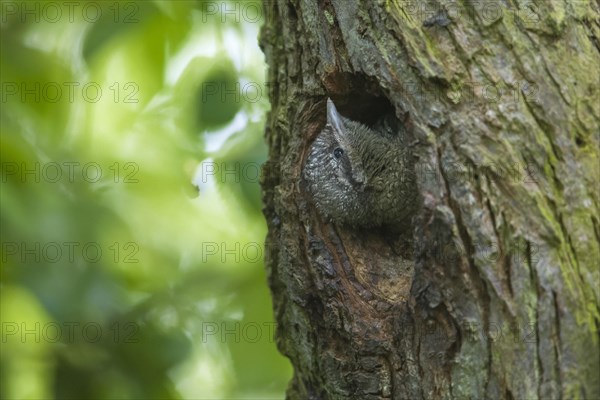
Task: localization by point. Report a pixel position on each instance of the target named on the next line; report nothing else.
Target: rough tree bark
(494, 291)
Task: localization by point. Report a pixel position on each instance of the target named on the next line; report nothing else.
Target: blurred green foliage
(132, 233)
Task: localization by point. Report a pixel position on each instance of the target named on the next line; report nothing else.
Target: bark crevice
(371, 315)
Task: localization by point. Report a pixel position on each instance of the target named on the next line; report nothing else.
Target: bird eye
(338, 152)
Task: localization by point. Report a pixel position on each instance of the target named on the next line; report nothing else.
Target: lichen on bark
(500, 298)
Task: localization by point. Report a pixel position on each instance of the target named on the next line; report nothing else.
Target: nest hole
(359, 97)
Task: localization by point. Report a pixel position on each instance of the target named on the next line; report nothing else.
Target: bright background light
(157, 109)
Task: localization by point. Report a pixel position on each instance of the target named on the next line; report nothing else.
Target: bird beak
(335, 120)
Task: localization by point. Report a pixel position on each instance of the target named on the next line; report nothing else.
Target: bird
(361, 176)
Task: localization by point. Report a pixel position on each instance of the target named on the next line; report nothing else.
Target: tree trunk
(494, 291)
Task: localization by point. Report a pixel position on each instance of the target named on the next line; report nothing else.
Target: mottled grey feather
(370, 182)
